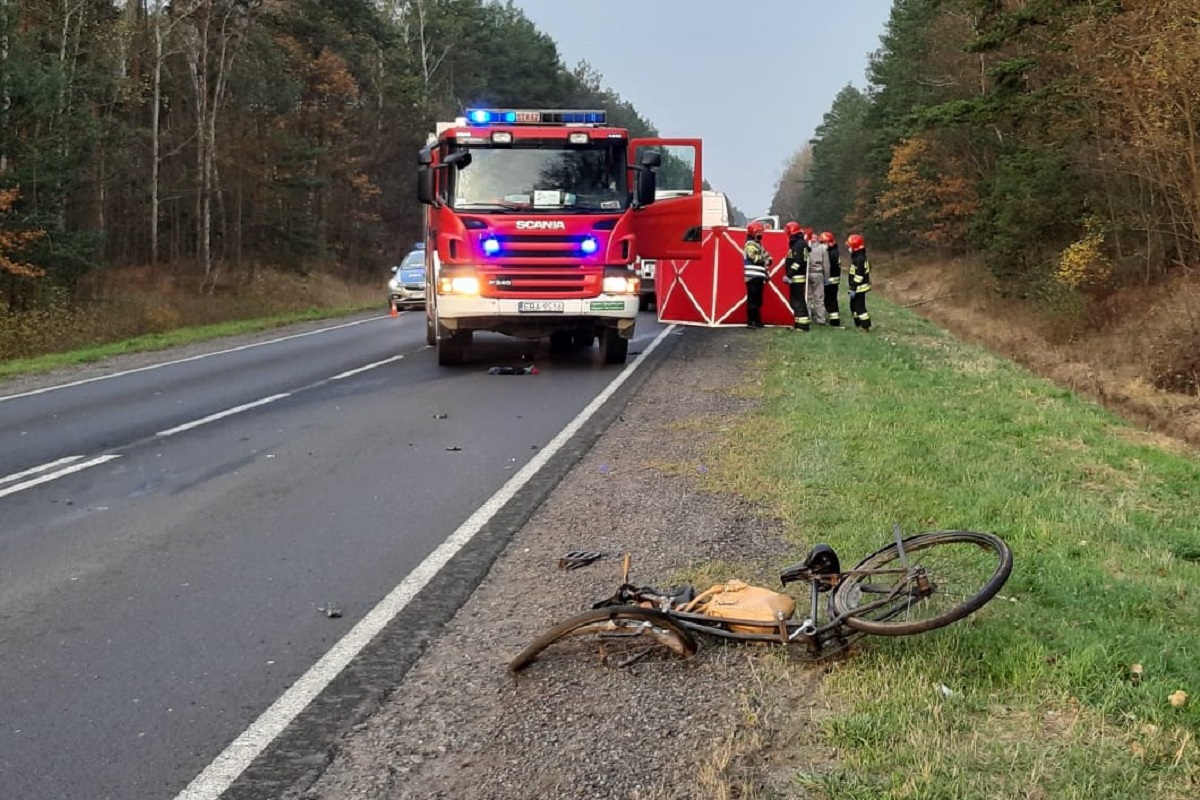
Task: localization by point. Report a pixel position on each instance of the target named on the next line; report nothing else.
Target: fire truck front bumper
(533, 316)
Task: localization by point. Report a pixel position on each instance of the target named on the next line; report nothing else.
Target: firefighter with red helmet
(795, 267)
(833, 314)
(755, 265)
(860, 280)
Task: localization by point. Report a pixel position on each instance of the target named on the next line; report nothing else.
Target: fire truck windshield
(547, 176)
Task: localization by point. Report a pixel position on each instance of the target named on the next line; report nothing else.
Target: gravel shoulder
(734, 721)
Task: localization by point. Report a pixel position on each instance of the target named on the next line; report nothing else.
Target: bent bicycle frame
(634, 608)
(808, 632)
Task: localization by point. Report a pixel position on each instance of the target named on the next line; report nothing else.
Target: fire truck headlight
(458, 284)
(467, 284)
(620, 284)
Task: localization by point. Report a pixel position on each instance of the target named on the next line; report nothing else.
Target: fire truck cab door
(670, 228)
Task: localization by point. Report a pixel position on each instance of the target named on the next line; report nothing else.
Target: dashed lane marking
(229, 412)
(16, 476)
(364, 368)
(50, 476)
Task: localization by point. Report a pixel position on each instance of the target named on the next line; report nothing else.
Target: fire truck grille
(559, 283)
(540, 246)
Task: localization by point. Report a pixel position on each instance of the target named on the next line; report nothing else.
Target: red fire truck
(534, 220)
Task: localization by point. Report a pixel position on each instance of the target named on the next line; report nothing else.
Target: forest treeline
(230, 134)
(1060, 139)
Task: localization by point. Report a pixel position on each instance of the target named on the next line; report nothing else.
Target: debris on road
(580, 558)
(330, 610)
(530, 370)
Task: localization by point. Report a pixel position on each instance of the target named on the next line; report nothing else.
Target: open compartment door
(670, 228)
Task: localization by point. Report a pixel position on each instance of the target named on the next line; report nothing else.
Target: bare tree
(411, 17)
(211, 36)
(163, 24)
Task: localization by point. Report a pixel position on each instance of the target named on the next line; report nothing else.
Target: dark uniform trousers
(860, 284)
(796, 276)
(797, 298)
(833, 314)
(754, 301)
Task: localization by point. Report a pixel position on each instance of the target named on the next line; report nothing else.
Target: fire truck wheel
(452, 346)
(614, 347)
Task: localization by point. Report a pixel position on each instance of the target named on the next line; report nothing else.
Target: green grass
(906, 424)
(174, 338)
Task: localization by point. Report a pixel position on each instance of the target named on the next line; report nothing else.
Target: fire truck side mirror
(425, 185)
(458, 160)
(651, 159)
(645, 180)
(425, 176)
(645, 186)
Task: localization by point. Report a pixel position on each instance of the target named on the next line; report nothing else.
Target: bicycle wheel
(950, 575)
(624, 629)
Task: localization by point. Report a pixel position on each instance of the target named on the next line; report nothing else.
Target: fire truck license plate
(540, 305)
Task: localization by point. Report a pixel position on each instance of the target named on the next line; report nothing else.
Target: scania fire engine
(534, 221)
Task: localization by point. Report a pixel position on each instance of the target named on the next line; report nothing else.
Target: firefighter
(860, 281)
(757, 262)
(832, 283)
(796, 274)
(818, 273)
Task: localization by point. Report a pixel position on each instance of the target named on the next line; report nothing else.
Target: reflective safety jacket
(757, 260)
(795, 265)
(860, 271)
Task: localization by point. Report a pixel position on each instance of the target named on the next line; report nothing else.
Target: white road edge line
(348, 373)
(55, 475)
(186, 360)
(16, 476)
(233, 761)
(229, 412)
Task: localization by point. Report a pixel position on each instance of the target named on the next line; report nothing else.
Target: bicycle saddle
(821, 560)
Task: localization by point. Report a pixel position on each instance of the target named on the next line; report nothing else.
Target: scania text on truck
(534, 219)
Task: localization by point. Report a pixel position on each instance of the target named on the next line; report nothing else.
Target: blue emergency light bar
(500, 116)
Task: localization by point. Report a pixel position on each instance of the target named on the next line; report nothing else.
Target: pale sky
(752, 78)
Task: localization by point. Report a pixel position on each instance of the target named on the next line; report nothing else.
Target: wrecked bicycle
(913, 585)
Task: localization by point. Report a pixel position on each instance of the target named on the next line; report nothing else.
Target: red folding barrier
(712, 290)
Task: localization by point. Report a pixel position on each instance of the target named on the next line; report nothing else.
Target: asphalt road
(169, 537)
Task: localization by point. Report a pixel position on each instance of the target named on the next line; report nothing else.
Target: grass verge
(161, 341)
(1037, 695)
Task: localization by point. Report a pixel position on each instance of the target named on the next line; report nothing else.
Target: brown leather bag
(739, 600)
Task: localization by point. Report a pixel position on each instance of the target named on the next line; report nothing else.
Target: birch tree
(163, 22)
(211, 36)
